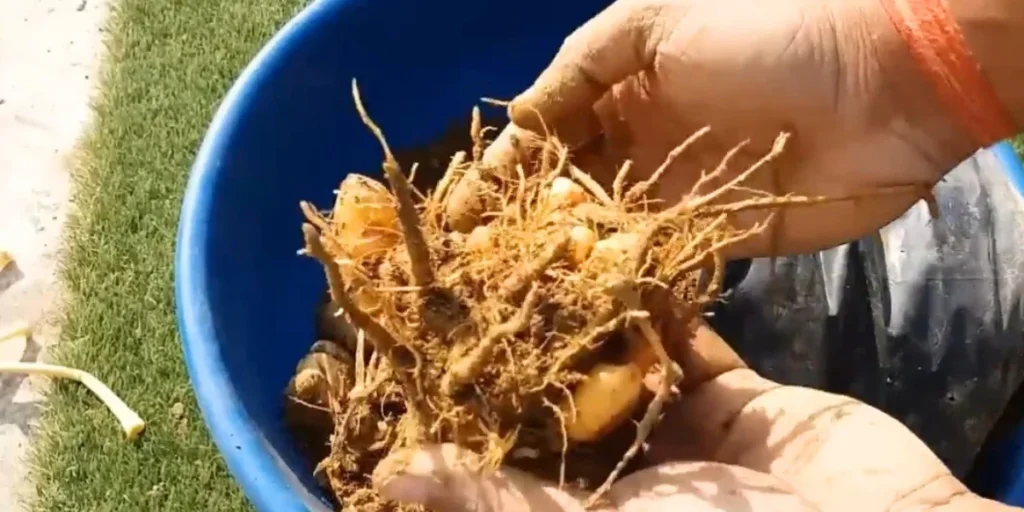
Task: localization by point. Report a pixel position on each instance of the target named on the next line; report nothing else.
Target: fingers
(715, 389)
(706, 356)
(615, 44)
(698, 425)
(700, 352)
(508, 148)
(469, 199)
(831, 447)
(834, 447)
(705, 487)
(442, 478)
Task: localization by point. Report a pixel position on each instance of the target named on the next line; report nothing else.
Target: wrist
(947, 120)
(907, 100)
(994, 29)
(961, 47)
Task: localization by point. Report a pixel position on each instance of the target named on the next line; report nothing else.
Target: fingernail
(511, 108)
(522, 114)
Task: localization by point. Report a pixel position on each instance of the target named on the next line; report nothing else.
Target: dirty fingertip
(416, 475)
(504, 150)
(410, 489)
(556, 95)
(567, 113)
(537, 107)
(420, 461)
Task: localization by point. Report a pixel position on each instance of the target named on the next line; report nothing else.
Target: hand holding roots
(525, 331)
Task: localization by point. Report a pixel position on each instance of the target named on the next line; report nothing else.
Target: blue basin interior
(287, 132)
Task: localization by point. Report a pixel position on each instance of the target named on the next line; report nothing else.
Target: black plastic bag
(922, 320)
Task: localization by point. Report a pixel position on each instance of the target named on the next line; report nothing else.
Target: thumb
(618, 42)
(445, 478)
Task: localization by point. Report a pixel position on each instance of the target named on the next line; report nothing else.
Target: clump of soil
(526, 338)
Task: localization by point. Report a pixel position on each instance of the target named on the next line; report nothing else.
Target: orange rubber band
(940, 49)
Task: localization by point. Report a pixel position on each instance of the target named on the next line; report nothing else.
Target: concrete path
(49, 57)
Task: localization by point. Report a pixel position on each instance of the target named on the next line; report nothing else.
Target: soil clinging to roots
(525, 339)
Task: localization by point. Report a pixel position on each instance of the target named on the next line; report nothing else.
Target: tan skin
(643, 75)
(733, 441)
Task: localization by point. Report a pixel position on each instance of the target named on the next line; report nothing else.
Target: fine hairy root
(517, 320)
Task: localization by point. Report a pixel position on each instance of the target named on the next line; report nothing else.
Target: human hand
(732, 441)
(643, 75)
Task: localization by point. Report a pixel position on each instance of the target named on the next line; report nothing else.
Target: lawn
(170, 62)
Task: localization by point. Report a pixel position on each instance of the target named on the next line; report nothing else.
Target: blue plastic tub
(287, 131)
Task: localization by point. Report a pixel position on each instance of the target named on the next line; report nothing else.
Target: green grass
(1018, 143)
(169, 64)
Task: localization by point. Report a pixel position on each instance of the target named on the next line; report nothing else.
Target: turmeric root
(521, 321)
